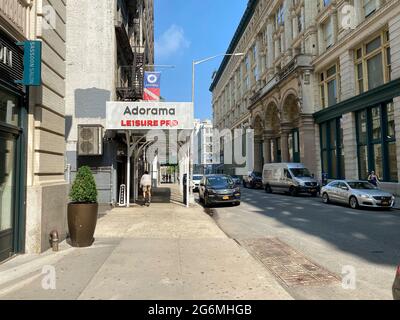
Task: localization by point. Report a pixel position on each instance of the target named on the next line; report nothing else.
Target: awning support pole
(128, 169)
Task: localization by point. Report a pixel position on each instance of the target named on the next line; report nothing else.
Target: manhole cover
(288, 265)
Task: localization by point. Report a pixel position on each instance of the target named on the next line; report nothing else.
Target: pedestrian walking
(145, 183)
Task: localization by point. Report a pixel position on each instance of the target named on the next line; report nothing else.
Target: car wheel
(325, 198)
(353, 202)
(268, 189)
(293, 192)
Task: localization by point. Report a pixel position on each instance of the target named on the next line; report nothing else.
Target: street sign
(149, 115)
(32, 63)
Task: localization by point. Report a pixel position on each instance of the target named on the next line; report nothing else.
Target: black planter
(82, 220)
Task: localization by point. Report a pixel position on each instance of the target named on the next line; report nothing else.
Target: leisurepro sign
(149, 115)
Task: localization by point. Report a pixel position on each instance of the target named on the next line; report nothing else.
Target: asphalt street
(360, 247)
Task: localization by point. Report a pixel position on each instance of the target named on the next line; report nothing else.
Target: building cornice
(248, 14)
(369, 98)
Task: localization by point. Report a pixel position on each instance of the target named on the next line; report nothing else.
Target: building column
(267, 148)
(258, 161)
(350, 146)
(285, 144)
(394, 34)
(358, 11)
(396, 102)
(288, 30)
(321, 40)
(270, 48)
(295, 22)
(307, 143)
(335, 26)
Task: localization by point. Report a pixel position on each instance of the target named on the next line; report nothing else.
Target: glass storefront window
(363, 162)
(7, 182)
(376, 135)
(392, 161)
(391, 132)
(378, 160)
(376, 123)
(323, 136)
(332, 153)
(362, 127)
(9, 112)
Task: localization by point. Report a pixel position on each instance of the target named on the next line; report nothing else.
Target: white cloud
(171, 42)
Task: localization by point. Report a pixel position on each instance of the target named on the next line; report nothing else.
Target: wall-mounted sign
(149, 115)
(32, 63)
(152, 86)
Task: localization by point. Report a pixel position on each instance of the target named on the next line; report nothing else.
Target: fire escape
(131, 76)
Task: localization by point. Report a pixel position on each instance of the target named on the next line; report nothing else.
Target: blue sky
(187, 30)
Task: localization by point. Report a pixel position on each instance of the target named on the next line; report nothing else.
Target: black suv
(253, 180)
(218, 189)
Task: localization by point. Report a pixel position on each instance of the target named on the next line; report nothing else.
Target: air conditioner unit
(90, 140)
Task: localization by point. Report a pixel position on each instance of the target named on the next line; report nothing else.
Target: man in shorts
(145, 183)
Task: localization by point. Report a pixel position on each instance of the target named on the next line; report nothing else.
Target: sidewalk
(162, 252)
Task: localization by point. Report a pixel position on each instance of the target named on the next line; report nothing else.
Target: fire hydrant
(54, 239)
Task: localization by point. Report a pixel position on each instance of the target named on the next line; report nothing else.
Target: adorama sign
(149, 115)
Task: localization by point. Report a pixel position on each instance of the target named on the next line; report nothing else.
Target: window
(377, 142)
(300, 22)
(328, 86)
(373, 63)
(280, 16)
(328, 34)
(370, 6)
(332, 152)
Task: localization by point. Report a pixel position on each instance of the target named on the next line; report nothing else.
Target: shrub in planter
(83, 209)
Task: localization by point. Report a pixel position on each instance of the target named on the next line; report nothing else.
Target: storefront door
(7, 194)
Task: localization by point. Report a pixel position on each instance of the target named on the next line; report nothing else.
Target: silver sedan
(356, 194)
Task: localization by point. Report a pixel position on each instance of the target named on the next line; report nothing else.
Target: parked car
(238, 180)
(396, 285)
(196, 182)
(357, 194)
(216, 189)
(253, 180)
(293, 178)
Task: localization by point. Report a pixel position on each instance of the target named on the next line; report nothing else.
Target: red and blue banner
(152, 91)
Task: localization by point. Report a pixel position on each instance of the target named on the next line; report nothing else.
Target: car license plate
(385, 203)
(313, 190)
(225, 198)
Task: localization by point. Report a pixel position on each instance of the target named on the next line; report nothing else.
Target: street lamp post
(194, 64)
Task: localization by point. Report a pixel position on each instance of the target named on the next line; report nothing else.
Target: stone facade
(45, 187)
(299, 67)
(119, 38)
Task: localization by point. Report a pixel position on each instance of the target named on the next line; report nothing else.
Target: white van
(293, 178)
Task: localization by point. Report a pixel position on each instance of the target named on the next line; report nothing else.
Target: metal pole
(128, 170)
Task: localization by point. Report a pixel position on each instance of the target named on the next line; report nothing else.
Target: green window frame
(376, 142)
(332, 152)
